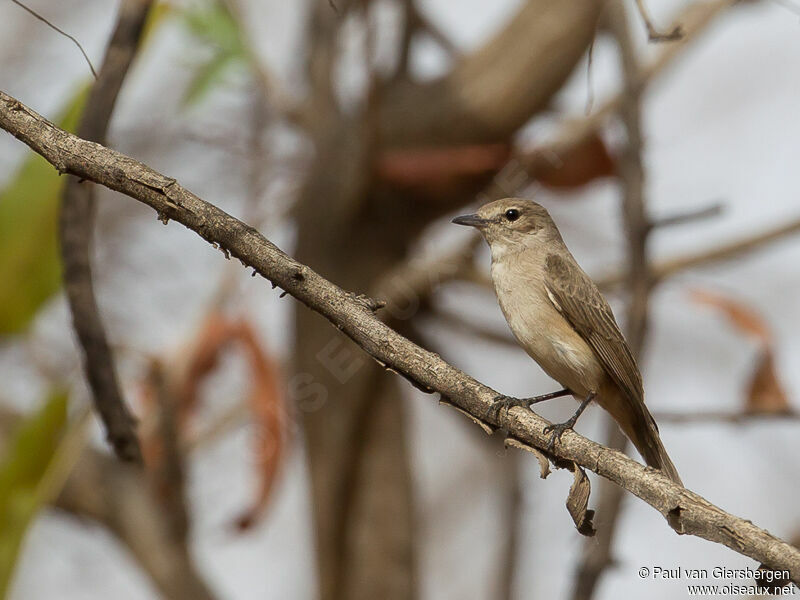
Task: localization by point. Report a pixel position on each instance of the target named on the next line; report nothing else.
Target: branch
(76, 222)
(685, 511)
(493, 91)
(119, 497)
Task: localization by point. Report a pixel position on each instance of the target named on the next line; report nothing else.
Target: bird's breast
(542, 330)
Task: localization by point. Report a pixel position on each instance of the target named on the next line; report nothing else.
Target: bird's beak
(470, 220)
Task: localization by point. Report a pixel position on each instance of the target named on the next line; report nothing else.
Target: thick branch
(76, 222)
(492, 92)
(685, 511)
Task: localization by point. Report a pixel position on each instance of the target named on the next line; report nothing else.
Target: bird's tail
(641, 429)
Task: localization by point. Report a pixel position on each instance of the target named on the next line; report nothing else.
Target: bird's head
(512, 223)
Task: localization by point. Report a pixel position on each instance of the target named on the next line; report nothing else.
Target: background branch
(76, 223)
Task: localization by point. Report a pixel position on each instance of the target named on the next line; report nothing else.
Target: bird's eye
(512, 214)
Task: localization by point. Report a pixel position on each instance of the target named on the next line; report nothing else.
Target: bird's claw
(557, 430)
(505, 402)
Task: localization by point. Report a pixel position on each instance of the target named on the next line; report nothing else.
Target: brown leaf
(744, 318)
(201, 358)
(578, 502)
(574, 168)
(267, 404)
(765, 394)
(440, 169)
(544, 462)
(268, 409)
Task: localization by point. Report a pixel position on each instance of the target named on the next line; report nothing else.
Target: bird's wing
(577, 298)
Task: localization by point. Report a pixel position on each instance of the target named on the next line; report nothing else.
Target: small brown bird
(561, 319)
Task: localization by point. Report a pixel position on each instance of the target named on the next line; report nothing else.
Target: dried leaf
(544, 462)
(487, 429)
(578, 166)
(765, 394)
(268, 409)
(744, 318)
(265, 399)
(440, 168)
(200, 359)
(578, 502)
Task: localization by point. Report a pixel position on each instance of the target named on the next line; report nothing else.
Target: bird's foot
(556, 430)
(501, 403)
(505, 403)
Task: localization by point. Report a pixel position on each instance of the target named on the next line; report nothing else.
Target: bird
(561, 319)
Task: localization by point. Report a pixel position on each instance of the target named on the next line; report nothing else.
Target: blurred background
(280, 461)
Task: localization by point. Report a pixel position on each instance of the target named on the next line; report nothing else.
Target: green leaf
(30, 267)
(24, 466)
(214, 26)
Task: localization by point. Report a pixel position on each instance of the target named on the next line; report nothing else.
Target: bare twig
(720, 416)
(61, 31)
(685, 511)
(76, 224)
(689, 216)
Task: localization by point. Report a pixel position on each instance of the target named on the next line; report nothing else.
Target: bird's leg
(507, 402)
(560, 428)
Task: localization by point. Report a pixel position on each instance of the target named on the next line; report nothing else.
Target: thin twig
(689, 216)
(719, 416)
(61, 31)
(76, 223)
(684, 511)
